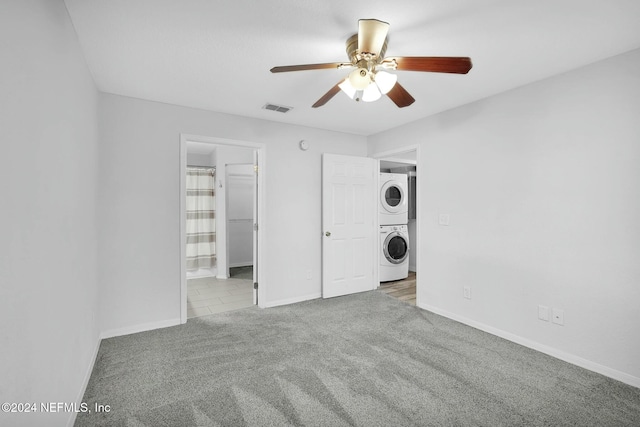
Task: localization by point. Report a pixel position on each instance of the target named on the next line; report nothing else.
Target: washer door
(392, 196)
(395, 248)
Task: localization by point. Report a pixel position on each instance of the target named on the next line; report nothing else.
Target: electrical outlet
(467, 292)
(557, 316)
(543, 313)
(309, 274)
(443, 219)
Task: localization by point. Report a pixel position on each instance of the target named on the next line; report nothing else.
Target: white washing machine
(394, 196)
(394, 254)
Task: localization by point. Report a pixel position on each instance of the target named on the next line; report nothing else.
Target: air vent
(278, 108)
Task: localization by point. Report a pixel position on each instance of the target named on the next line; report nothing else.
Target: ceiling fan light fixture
(385, 81)
(360, 78)
(346, 87)
(371, 93)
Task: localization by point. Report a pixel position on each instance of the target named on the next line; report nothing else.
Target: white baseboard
(288, 301)
(202, 272)
(140, 328)
(551, 351)
(85, 383)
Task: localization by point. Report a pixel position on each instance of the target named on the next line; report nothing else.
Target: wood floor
(404, 290)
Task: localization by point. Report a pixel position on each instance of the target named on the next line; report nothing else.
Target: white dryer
(394, 254)
(394, 195)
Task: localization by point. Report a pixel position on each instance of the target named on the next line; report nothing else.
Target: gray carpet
(245, 273)
(359, 360)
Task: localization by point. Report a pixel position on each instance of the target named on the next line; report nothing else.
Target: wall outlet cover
(443, 219)
(557, 316)
(467, 292)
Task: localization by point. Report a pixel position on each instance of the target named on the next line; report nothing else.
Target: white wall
(139, 206)
(542, 184)
(412, 230)
(196, 159)
(48, 178)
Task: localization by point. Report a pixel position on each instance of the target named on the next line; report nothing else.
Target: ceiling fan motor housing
(356, 56)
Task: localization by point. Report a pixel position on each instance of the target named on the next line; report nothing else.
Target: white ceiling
(216, 54)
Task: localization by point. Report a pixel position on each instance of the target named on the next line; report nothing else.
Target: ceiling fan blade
(286, 68)
(434, 64)
(327, 96)
(400, 96)
(371, 35)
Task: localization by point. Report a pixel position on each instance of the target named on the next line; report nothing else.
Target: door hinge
(255, 226)
(255, 168)
(255, 285)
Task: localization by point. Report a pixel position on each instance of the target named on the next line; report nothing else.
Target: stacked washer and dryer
(394, 234)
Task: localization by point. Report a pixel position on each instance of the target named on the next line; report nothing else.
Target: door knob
(327, 233)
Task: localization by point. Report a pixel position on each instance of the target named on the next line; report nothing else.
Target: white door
(256, 169)
(349, 196)
(242, 217)
(240, 214)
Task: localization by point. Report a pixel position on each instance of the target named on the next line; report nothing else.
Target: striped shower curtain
(201, 224)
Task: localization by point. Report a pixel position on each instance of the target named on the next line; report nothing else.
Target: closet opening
(398, 220)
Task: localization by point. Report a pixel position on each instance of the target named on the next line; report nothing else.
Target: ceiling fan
(368, 81)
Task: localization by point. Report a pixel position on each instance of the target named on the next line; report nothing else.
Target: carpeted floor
(360, 360)
(241, 272)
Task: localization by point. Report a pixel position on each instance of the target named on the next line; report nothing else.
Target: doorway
(404, 161)
(230, 284)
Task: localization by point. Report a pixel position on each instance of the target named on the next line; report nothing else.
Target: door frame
(389, 155)
(260, 150)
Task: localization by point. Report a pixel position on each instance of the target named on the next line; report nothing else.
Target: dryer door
(392, 196)
(395, 248)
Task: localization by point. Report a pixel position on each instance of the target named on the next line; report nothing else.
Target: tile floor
(208, 295)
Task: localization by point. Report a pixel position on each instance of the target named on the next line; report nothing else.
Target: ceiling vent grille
(278, 108)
